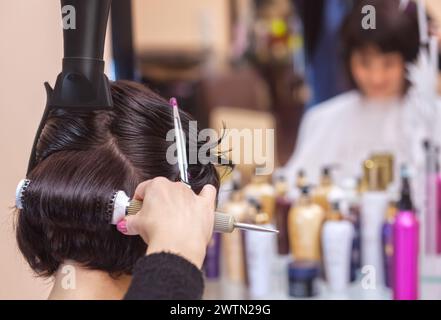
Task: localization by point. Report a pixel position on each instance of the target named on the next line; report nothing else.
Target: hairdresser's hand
(173, 218)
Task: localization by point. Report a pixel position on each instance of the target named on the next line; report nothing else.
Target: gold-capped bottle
(386, 161)
(305, 221)
(259, 189)
(373, 206)
(233, 248)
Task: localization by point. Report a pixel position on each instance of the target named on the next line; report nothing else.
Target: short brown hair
(82, 159)
(396, 30)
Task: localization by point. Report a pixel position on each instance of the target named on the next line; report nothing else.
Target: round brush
(223, 223)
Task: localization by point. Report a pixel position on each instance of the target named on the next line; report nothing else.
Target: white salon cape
(346, 130)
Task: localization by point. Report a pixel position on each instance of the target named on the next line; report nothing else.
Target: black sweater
(165, 276)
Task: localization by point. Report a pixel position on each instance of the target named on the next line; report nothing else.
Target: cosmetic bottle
(230, 181)
(321, 192)
(374, 204)
(438, 217)
(212, 262)
(337, 236)
(353, 190)
(302, 277)
(212, 258)
(264, 192)
(385, 160)
(300, 182)
(430, 208)
(438, 205)
(305, 220)
(233, 247)
(260, 250)
(388, 243)
(406, 246)
(283, 204)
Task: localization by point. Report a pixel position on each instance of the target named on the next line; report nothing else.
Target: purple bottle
(406, 246)
(212, 258)
(387, 236)
(356, 242)
(438, 207)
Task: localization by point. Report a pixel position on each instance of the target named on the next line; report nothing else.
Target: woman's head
(82, 159)
(377, 58)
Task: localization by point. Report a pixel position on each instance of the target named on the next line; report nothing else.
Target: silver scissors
(222, 222)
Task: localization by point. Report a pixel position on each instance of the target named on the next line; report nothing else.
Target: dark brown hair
(396, 31)
(82, 159)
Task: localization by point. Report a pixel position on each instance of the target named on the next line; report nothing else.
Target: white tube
(260, 251)
(373, 208)
(337, 239)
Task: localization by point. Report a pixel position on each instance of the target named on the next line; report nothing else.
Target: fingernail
(122, 226)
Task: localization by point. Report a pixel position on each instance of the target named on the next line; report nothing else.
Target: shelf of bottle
(223, 289)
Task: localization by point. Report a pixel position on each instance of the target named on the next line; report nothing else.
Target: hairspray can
(406, 247)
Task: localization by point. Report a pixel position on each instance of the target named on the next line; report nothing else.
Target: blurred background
(249, 64)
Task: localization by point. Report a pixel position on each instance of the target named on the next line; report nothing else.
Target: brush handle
(223, 223)
(134, 207)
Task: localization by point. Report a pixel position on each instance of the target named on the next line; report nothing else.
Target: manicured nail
(122, 226)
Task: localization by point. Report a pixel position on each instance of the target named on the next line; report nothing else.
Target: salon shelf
(223, 289)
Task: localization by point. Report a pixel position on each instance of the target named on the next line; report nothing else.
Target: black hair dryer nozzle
(82, 83)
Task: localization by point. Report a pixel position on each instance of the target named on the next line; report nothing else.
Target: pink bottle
(432, 200)
(406, 247)
(438, 211)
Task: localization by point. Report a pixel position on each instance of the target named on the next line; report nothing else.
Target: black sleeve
(165, 276)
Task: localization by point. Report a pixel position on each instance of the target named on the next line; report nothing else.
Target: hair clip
(19, 192)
